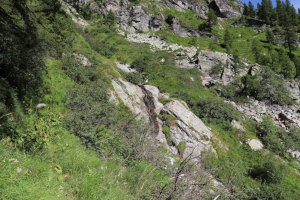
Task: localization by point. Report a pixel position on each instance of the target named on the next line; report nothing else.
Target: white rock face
(180, 110)
(190, 130)
(255, 144)
(258, 109)
(82, 60)
(125, 68)
(294, 88)
(112, 97)
(294, 154)
(73, 13)
(208, 59)
(155, 95)
(227, 10)
(157, 43)
(238, 125)
(132, 96)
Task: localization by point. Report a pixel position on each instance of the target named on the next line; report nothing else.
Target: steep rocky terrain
(176, 106)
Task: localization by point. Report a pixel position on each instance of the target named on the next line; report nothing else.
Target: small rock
(41, 105)
(255, 144)
(125, 68)
(19, 170)
(238, 125)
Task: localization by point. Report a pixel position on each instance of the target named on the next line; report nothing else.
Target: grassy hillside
(82, 146)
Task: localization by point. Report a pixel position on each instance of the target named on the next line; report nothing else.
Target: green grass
(169, 78)
(65, 168)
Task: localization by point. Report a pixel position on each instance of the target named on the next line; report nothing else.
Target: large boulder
(294, 88)
(132, 96)
(255, 144)
(139, 19)
(209, 59)
(227, 8)
(189, 131)
(194, 5)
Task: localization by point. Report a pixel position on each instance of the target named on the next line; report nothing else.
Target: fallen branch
(6, 115)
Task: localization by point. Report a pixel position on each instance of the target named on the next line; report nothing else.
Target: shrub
(264, 85)
(135, 78)
(169, 119)
(270, 135)
(217, 111)
(270, 172)
(167, 133)
(181, 147)
(217, 69)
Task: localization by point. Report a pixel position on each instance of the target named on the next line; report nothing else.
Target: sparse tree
(228, 40)
(251, 9)
(212, 18)
(270, 36)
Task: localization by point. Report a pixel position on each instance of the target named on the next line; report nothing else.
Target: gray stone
(294, 88)
(139, 19)
(155, 95)
(74, 15)
(255, 144)
(125, 68)
(238, 125)
(190, 130)
(294, 154)
(132, 96)
(225, 9)
(40, 105)
(82, 60)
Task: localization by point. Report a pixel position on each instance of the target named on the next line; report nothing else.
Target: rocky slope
(133, 17)
(189, 57)
(177, 127)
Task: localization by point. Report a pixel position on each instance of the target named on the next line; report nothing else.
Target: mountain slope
(170, 113)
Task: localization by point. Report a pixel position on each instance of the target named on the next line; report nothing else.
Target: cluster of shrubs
(277, 139)
(263, 85)
(100, 124)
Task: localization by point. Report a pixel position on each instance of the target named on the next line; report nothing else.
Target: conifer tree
(227, 40)
(288, 68)
(289, 23)
(280, 11)
(274, 59)
(212, 18)
(265, 11)
(256, 50)
(270, 36)
(246, 10)
(251, 9)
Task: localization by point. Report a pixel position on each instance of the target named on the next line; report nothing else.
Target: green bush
(271, 135)
(264, 85)
(217, 111)
(181, 147)
(166, 131)
(135, 78)
(270, 172)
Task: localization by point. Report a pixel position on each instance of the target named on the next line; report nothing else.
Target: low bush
(270, 172)
(264, 85)
(217, 111)
(276, 138)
